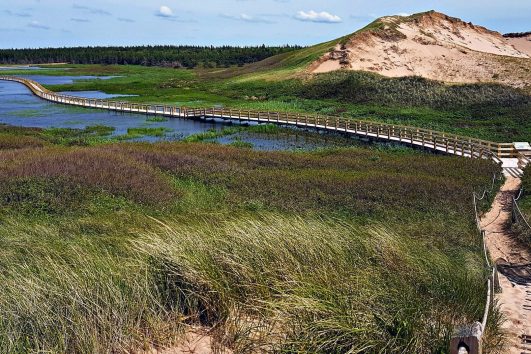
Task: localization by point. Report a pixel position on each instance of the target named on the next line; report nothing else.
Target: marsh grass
(156, 119)
(488, 111)
(325, 251)
(145, 131)
(299, 284)
(241, 144)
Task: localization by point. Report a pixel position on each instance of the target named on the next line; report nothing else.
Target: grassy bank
(124, 246)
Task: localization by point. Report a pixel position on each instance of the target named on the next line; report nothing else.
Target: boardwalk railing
(518, 219)
(468, 339)
(431, 139)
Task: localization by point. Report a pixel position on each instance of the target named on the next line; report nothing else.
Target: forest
(166, 56)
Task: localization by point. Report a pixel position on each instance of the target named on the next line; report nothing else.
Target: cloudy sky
(44, 23)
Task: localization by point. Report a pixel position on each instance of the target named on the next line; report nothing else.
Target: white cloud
(247, 18)
(165, 11)
(91, 10)
(405, 14)
(38, 25)
(313, 16)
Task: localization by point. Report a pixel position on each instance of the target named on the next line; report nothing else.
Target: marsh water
(19, 107)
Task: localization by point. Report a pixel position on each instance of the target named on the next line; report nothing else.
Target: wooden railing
(440, 141)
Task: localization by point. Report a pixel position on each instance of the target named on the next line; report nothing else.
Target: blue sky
(43, 23)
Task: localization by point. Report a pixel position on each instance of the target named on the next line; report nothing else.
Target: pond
(19, 67)
(19, 107)
(63, 80)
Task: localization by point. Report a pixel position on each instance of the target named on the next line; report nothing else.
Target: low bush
(93, 169)
(20, 142)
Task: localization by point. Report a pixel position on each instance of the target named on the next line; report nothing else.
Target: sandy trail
(514, 266)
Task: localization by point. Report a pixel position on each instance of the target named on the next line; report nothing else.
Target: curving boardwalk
(515, 298)
(504, 153)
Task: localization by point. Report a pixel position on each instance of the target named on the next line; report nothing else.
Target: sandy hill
(435, 46)
(520, 41)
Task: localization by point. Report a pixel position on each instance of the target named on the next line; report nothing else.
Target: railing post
(467, 340)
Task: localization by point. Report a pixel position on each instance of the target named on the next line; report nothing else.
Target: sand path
(514, 266)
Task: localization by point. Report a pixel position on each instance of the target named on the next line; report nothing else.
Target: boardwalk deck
(503, 153)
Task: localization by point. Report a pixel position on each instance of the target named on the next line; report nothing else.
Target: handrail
(470, 337)
(431, 139)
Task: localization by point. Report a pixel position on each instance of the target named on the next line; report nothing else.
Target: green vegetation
(156, 119)
(241, 144)
(211, 134)
(12, 137)
(143, 131)
(487, 111)
(124, 246)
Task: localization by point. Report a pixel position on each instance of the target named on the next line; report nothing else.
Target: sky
(65, 23)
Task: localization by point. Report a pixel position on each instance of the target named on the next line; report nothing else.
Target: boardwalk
(516, 295)
(503, 153)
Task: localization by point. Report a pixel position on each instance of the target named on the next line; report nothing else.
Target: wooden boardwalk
(503, 153)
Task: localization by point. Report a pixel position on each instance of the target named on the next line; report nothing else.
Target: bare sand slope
(196, 340)
(514, 265)
(434, 46)
(522, 44)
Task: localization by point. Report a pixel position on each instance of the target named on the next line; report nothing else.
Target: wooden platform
(505, 154)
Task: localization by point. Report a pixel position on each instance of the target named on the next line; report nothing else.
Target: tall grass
(264, 283)
(72, 293)
(357, 249)
(59, 177)
(324, 285)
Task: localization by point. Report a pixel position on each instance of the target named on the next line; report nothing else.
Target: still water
(18, 106)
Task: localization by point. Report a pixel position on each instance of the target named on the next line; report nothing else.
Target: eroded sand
(523, 44)
(434, 47)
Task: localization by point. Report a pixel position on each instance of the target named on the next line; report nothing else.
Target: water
(63, 80)
(23, 67)
(19, 107)
(94, 94)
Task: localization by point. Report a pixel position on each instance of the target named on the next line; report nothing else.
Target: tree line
(517, 34)
(167, 56)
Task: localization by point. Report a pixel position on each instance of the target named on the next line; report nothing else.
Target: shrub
(20, 142)
(95, 169)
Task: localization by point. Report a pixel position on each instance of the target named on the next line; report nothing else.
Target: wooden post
(467, 338)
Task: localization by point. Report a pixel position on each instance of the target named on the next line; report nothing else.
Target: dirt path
(514, 265)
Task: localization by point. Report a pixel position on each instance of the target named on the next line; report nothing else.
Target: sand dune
(522, 44)
(434, 46)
